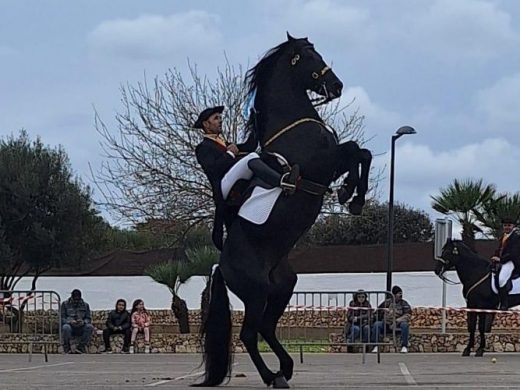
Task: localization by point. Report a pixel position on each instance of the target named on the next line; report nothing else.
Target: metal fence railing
(30, 317)
(312, 316)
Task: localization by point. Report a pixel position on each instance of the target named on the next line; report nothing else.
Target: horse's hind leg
(254, 310)
(284, 280)
(472, 324)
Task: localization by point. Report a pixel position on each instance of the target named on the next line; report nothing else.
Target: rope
(289, 127)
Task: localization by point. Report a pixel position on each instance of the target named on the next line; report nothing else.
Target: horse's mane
(256, 76)
(469, 252)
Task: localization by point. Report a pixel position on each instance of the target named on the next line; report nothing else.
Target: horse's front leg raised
(356, 162)
(472, 325)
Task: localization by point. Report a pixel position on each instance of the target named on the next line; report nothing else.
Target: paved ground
(319, 371)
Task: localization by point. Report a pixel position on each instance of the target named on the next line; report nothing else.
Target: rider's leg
(505, 274)
(251, 165)
(263, 171)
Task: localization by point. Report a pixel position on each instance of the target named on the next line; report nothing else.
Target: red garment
(140, 319)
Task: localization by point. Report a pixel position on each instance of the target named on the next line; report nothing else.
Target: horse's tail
(216, 332)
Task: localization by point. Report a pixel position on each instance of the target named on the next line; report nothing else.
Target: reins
(290, 127)
(476, 285)
(305, 185)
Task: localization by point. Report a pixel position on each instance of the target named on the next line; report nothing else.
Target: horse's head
(308, 67)
(453, 252)
(449, 257)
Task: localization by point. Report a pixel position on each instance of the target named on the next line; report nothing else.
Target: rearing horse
(475, 275)
(253, 262)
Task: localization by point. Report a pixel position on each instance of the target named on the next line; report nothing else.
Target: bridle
(444, 263)
(316, 75)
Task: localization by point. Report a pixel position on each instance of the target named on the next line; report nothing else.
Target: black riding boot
(504, 297)
(287, 181)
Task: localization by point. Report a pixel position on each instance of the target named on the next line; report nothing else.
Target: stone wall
(295, 326)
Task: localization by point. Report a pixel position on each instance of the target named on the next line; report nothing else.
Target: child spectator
(118, 321)
(140, 323)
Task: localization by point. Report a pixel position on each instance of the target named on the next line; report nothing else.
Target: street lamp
(390, 243)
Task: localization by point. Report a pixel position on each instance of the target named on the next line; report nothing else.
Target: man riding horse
(217, 157)
(507, 258)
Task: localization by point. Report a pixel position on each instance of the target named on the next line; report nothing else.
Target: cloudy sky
(451, 69)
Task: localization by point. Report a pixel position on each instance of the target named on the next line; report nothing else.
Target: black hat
(507, 220)
(396, 289)
(76, 293)
(204, 115)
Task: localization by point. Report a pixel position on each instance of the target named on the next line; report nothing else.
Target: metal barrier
(30, 317)
(310, 314)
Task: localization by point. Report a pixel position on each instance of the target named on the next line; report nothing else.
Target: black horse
(253, 262)
(475, 275)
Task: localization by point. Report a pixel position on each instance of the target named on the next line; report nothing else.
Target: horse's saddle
(512, 285)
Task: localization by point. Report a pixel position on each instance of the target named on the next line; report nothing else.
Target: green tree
(46, 215)
(463, 199)
(411, 225)
(497, 208)
(167, 274)
(200, 262)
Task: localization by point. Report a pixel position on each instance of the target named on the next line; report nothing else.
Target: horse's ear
(289, 37)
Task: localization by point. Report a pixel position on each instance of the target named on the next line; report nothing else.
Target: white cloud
(326, 19)
(153, 36)
(420, 171)
(501, 101)
(461, 29)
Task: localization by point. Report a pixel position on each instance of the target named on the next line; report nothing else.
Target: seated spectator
(118, 321)
(76, 321)
(401, 312)
(140, 323)
(358, 321)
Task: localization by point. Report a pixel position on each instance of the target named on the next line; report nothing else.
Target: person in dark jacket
(217, 157)
(399, 313)
(358, 320)
(508, 256)
(76, 321)
(118, 321)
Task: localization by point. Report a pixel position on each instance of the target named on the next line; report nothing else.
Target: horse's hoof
(279, 382)
(344, 195)
(479, 353)
(355, 209)
(466, 352)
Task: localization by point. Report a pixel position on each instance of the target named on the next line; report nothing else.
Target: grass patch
(310, 346)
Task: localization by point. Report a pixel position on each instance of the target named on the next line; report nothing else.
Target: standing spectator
(401, 312)
(140, 323)
(76, 321)
(358, 321)
(118, 321)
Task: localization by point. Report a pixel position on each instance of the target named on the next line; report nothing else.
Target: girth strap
(312, 187)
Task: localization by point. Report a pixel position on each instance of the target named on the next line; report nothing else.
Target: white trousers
(505, 273)
(238, 171)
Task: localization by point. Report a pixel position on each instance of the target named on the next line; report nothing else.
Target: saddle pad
(514, 290)
(259, 205)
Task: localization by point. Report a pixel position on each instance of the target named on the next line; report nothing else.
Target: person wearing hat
(76, 321)
(219, 161)
(507, 258)
(395, 311)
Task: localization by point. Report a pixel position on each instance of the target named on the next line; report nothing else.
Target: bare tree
(150, 171)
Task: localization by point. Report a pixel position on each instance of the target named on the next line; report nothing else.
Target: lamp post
(390, 243)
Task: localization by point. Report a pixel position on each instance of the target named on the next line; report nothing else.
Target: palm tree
(461, 199)
(168, 275)
(200, 262)
(497, 208)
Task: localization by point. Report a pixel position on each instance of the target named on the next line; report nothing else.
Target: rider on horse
(508, 256)
(217, 157)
